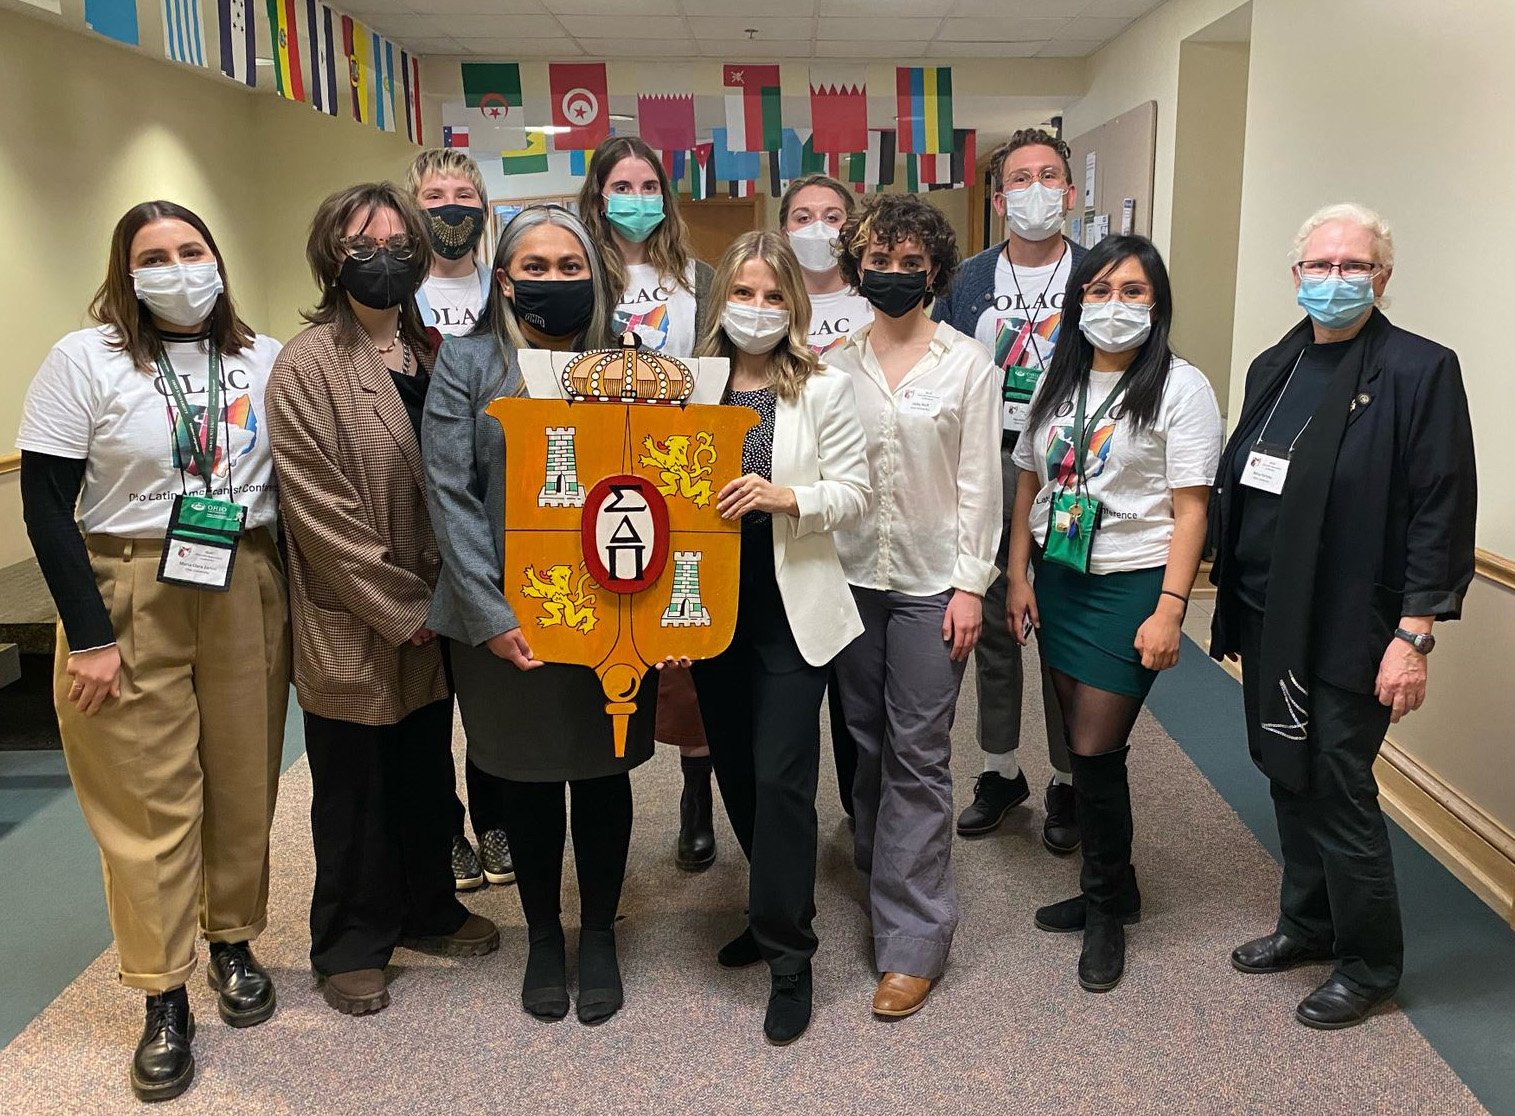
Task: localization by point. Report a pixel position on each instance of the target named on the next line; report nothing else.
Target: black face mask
(455, 229)
(380, 283)
(893, 293)
(554, 307)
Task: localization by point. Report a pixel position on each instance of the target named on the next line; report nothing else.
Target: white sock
(1062, 778)
(1007, 766)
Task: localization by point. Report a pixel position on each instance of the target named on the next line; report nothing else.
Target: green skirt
(1089, 624)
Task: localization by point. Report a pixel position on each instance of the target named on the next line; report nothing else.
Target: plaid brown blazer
(362, 558)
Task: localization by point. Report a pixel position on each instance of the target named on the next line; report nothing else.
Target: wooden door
(716, 222)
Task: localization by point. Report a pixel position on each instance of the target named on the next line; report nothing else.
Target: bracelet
(1178, 596)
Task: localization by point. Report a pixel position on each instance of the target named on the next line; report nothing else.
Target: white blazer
(820, 451)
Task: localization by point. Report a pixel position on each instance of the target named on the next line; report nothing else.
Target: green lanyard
(1084, 435)
(202, 445)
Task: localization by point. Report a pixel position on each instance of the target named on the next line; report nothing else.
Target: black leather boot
(164, 1065)
(696, 847)
(1068, 916)
(244, 992)
(1104, 820)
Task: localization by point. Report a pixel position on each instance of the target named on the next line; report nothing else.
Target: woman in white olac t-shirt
(1115, 468)
(812, 212)
(632, 213)
(172, 665)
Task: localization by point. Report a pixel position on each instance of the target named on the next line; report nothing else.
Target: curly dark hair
(1027, 137)
(892, 218)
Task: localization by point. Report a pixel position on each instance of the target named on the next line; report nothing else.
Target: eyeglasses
(1347, 269)
(1049, 176)
(363, 248)
(1126, 292)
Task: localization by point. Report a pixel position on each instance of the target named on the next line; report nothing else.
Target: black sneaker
(466, 873)
(994, 796)
(494, 853)
(164, 1065)
(1060, 831)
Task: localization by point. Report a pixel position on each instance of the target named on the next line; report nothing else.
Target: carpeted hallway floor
(1008, 1030)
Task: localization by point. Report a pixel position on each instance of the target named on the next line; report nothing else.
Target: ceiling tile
(1093, 28)
(435, 46)
(878, 30)
(636, 8)
(986, 50)
(400, 25)
(471, 7)
(525, 48)
(740, 48)
(735, 27)
(875, 8)
(999, 29)
(643, 27)
(1131, 9)
(1029, 9)
(377, 8)
(1069, 48)
(851, 48)
(616, 48)
(464, 27)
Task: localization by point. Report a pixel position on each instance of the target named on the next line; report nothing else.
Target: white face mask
(1035, 212)
(753, 329)
(1115, 326)
(813, 245)
(180, 294)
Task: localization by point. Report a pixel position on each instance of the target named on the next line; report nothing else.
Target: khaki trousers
(177, 777)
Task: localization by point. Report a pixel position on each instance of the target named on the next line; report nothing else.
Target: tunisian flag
(580, 103)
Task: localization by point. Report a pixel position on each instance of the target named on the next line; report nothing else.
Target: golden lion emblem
(684, 471)
(571, 607)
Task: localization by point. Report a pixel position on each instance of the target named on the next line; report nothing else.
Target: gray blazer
(464, 452)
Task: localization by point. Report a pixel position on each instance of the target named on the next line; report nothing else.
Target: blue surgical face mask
(1335, 303)
(634, 216)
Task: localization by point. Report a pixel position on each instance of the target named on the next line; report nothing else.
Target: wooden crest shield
(615, 555)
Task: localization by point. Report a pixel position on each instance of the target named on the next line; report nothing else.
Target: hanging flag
(183, 38)
(355, 47)
(236, 24)
(964, 156)
(702, 172)
(454, 138)
(839, 108)
(733, 166)
(488, 135)
(381, 109)
(791, 155)
(673, 165)
(880, 159)
(531, 159)
(323, 57)
(775, 178)
(494, 89)
(284, 43)
(811, 160)
(580, 103)
(741, 189)
(578, 163)
(666, 121)
(410, 86)
(912, 173)
(754, 119)
(115, 19)
(393, 105)
(935, 170)
(923, 108)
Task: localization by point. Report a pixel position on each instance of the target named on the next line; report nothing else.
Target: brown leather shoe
(360, 992)
(899, 995)
(476, 937)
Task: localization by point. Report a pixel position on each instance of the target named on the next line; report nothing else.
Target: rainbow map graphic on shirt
(651, 326)
(827, 346)
(1060, 463)
(1013, 344)
(238, 435)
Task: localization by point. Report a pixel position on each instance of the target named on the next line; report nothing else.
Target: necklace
(387, 349)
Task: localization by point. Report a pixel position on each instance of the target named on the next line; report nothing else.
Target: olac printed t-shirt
(836, 316)
(660, 311)
(90, 403)
(1020, 327)
(1131, 472)
(455, 303)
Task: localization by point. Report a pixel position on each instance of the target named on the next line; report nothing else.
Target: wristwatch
(1425, 643)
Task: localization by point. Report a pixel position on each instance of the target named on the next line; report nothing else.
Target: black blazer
(1398, 535)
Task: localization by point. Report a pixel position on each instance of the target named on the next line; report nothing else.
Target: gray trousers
(998, 675)
(899, 691)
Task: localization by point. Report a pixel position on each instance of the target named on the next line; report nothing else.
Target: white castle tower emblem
(561, 489)
(684, 608)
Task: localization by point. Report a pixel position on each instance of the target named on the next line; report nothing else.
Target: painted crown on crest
(627, 375)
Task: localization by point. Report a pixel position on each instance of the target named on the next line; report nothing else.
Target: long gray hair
(499, 316)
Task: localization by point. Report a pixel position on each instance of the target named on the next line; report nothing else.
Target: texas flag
(580, 103)
(753, 118)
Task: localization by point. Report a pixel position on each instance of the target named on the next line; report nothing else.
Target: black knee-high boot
(1103, 797)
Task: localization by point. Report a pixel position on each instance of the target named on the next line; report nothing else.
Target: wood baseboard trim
(1495, 567)
(10, 463)
(1474, 847)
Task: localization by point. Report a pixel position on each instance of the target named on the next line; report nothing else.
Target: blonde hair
(792, 361)
(1360, 215)
(667, 247)
(444, 162)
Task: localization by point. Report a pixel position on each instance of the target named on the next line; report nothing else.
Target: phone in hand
(1027, 627)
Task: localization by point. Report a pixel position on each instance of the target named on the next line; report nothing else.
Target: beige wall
(90, 129)
(1211, 128)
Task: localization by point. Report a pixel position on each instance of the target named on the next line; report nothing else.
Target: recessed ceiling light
(621, 116)
(548, 129)
(265, 61)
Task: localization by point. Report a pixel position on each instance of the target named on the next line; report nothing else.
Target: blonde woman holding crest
(804, 474)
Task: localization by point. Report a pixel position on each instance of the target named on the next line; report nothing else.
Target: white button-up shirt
(934, 463)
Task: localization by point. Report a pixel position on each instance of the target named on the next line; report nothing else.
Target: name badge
(1266, 469)
(921, 401)
(1020, 382)
(200, 547)
(1016, 415)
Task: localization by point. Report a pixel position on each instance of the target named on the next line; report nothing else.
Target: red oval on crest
(624, 533)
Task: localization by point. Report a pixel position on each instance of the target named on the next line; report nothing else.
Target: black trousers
(537, 830)
(761, 704)
(843, 746)
(1339, 892)
(381, 821)
(486, 810)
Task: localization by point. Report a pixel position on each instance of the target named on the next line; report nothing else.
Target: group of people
(952, 457)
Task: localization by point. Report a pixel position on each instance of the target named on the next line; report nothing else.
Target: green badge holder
(1074, 516)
